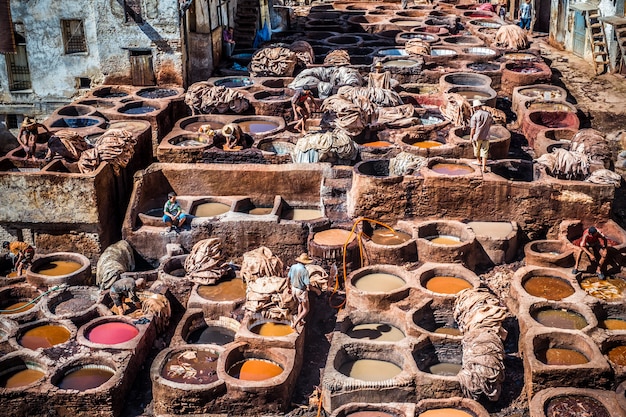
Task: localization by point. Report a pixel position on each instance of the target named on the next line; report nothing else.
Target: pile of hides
(115, 146)
(267, 291)
(68, 144)
(406, 164)
(204, 98)
(329, 146)
(376, 96)
(318, 277)
(480, 318)
(337, 58)
(564, 164)
(114, 261)
(456, 109)
(592, 143)
(158, 306)
(399, 116)
(417, 47)
(327, 79)
(346, 115)
(273, 61)
(511, 37)
(259, 263)
(205, 264)
(498, 116)
(304, 52)
(604, 176)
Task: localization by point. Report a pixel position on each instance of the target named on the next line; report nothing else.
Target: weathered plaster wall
(108, 37)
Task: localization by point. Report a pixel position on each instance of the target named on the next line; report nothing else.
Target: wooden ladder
(597, 38)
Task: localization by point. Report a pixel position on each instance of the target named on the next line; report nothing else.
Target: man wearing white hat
(300, 283)
(480, 123)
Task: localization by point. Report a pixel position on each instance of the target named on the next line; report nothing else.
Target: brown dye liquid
(560, 356)
(191, 367)
(427, 144)
(73, 305)
(447, 284)
(260, 211)
(473, 95)
(272, 329)
(452, 169)
(303, 214)
(58, 268)
(44, 337)
(379, 282)
(370, 414)
(210, 209)
(332, 237)
(445, 369)
(255, 370)
(257, 126)
(551, 288)
(12, 274)
(498, 230)
(377, 144)
(370, 369)
(575, 406)
(233, 289)
(448, 330)
(85, 378)
(387, 237)
(445, 240)
(376, 331)
(15, 308)
(613, 324)
(617, 355)
(445, 412)
(20, 378)
(561, 319)
(211, 335)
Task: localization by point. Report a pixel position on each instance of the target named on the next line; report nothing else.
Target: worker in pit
(125, 289)
(22, 254)
(299, 280)
(594, 244)
(480, 123)
(28, 135)
(302, 104)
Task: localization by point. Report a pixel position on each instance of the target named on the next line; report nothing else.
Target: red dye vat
(112, 333)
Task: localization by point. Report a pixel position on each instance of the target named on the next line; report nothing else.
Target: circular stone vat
(558, 318)
(486, 95)
(15, 302)
(520, 56)
(363, 362)
(191, 365)
(188, 140)
(483, 66)
(234, 82)
(194, 123)
(344, 40)
(463, 79)
(271, 328)
(485, 23)
(549, 253)
(276, 147)
(374, 168)
(76, 110)
(18, 371)
(432, 30)
(451, 169)
(224, 290)
(198, 330)
(377, 286)
(400, 63)
(542, 285)
(328, 245)
(402, 37)
(446, 280)
(376, 332)
(575, 405)
(78, 122)
(395, 247)
(260, 127)
(436, 319)
(255, 369)
(152, 93)
(463, 40)
(370, 369)
(392, 52)
(562, 349)
(115, 93)
(60, 268)
(439, 357)
(83, 377)
(450, 407)
(378, 282)
(43, 335)
(554, 119)
(110, 332)
(76, 303)
(441, 53)
(444, 241)
(479, 53)
(137, 108)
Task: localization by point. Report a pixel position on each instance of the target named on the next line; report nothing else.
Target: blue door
(580, 34)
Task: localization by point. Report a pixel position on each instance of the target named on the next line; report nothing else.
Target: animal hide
(114, 261)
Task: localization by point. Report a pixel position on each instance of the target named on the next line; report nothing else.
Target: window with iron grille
(73, 36)
(17, 69)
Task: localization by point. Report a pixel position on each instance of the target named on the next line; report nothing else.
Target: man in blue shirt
(299, 280)
(173, 213)
(525, 14)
